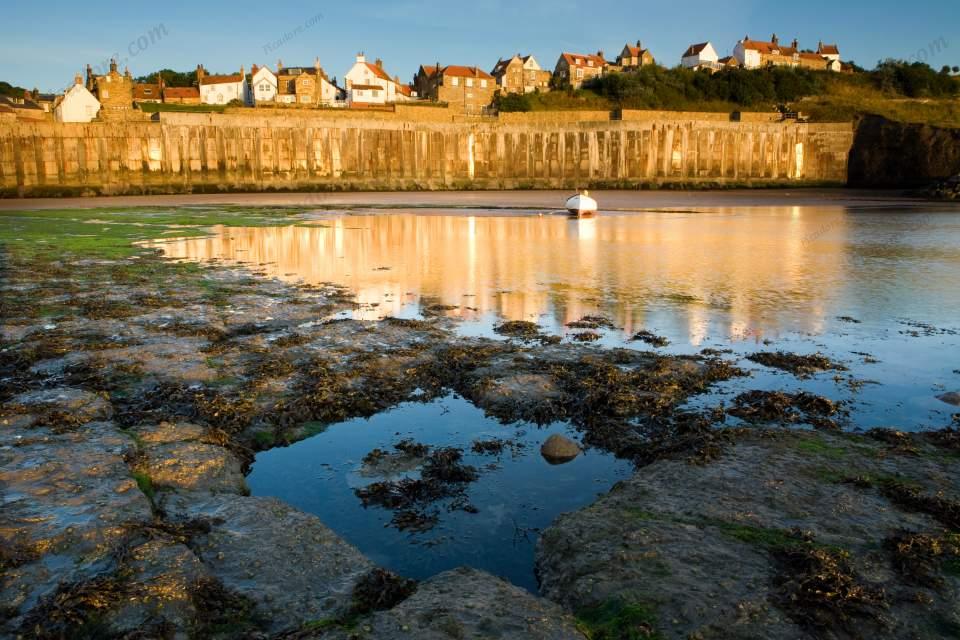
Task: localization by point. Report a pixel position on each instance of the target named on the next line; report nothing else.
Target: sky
(48, 42)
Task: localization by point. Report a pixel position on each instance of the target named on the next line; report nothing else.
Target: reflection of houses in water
(742, 270)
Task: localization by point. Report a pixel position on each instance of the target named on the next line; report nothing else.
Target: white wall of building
(264, 85)
(707, 57)
(361, 73)
(78, 105)
(224, 92)
(748, 58)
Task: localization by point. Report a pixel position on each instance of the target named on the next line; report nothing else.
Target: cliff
(888, 154)
(416, 149)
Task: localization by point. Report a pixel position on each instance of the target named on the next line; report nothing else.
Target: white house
(701, 56)
(77, 104)
(223, 89)
(371, 83)
(361, 94)
(263, 84)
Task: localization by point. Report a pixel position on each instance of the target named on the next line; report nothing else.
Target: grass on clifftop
(895, 89)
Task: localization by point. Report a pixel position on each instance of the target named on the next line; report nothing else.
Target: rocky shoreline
(136, 390)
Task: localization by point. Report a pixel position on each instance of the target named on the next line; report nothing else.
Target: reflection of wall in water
(742, 269)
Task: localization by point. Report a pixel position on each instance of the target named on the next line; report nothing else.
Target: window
(483, 84)
(469, 82)
(589, 63)
(455, 81)
(579, 73)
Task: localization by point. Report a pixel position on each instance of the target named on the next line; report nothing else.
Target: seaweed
(920, 557)
(650, 338)
(617, 619)
(379, 590)
(592, 322)
(443, 477)
(898, 440)
(412, 448)
(585, 336)
(912, 498)
(222, 611)
(816, 588)
(802, 366)
(74, 609)
(779, 407)
(518, 329)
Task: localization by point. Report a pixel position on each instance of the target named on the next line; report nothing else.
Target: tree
(171, 78)
(7, 89)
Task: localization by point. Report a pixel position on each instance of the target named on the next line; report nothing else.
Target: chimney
(316, 64)
(795, 44)
(639, 46)
(201, 72)
(361, 57)
(78, 79)
(126, 72)
(113, 65)
(600, 54)
(242, 75)
(279, 65)
(90, 77)
(774, 39)
(254, 68)
(378, 63)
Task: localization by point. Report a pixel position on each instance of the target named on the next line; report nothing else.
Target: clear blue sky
(47, 42)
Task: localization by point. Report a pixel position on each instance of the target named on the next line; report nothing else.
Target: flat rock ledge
(464, 603)
(786, 535)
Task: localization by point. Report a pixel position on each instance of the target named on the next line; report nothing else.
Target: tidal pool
(516, 495)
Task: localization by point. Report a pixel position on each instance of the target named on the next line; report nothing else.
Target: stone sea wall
(414, 148)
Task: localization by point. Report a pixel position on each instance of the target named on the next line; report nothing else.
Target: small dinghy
(582, 205)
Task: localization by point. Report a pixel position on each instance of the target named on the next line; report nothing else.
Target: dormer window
(589, 63)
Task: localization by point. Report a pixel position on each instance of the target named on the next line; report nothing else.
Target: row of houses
(757, 54)
(468, 89)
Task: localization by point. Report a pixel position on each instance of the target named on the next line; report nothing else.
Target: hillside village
(368, 84)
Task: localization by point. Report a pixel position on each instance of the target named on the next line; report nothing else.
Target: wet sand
(609, 200)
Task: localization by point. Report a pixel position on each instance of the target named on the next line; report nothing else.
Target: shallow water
(744, 278)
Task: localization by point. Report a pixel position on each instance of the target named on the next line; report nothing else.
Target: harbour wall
(415, 148)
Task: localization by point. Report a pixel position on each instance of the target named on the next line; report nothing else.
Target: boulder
(950, 398)
(558, 449)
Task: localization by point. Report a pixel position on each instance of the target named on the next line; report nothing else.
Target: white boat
(582, 204)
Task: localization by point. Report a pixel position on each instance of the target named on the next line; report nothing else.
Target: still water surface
(874, 287)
